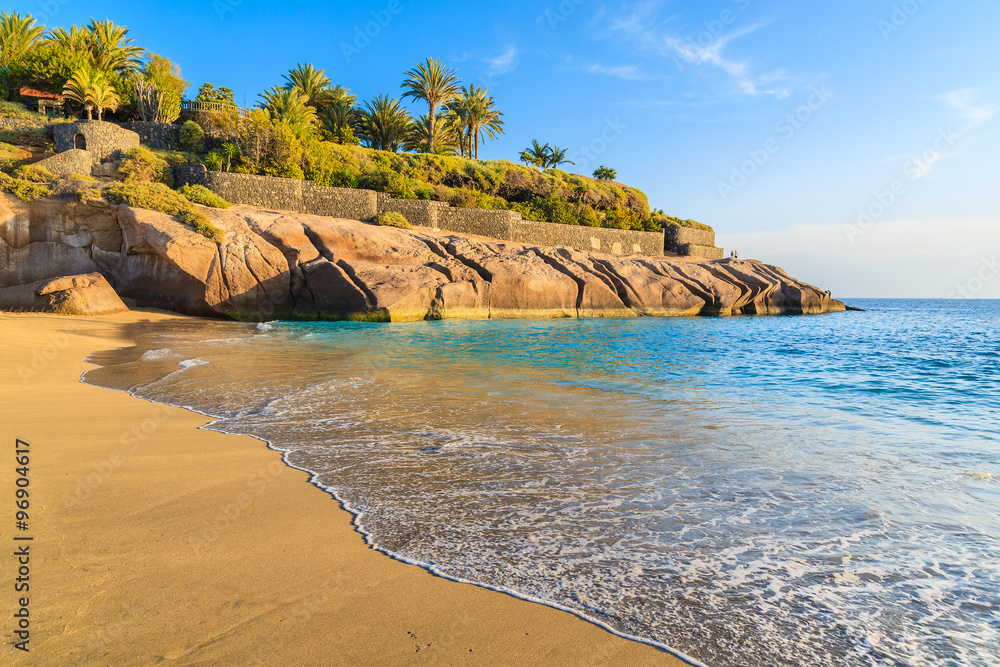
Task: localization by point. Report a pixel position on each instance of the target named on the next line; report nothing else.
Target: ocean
(742, 491)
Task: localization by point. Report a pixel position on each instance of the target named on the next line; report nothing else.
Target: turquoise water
(784, 490)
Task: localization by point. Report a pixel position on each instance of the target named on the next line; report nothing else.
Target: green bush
(158, 197)
(199, 194)
(23, 190)
(393, 219)
(141, 165)
(33, 174)
(8, 148)
(214, 161)
(386, 180)
(192, 137)
(17, 110)
(26, 136)
(603, 173)
(82, 177)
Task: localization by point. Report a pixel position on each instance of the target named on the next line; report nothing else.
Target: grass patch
(142, 165)
(82, 177)
(33, 174)
(23, 190)
(393, 219)
(199, 194)
(158, 197)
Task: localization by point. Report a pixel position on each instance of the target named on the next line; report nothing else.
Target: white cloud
(964, 102)
(503, 63)
(705, 49)
(628, 72)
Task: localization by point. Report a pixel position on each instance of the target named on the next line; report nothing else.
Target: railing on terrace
(198, 105)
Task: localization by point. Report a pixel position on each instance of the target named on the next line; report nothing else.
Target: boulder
(88, 294)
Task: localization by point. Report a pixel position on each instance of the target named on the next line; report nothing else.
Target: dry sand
(157, 542)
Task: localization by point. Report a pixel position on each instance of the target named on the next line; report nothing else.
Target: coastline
(156, 540)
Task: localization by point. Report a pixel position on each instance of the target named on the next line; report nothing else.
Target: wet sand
(153, 541)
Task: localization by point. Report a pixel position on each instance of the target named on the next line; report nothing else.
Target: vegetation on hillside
(158, 197)
(307, 126)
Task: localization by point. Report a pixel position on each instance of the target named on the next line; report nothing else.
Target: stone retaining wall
(105, 140)
(695, 250)
(161, 136)
(73, 161)
(675, 235)
(291, 194)
(590, 239)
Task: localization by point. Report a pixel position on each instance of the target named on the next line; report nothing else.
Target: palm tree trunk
(430, 129)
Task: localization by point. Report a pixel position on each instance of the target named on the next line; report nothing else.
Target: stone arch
(80, 141)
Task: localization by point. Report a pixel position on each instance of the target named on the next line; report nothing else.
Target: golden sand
(153, 541)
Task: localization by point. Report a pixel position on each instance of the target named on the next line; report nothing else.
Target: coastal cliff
(280, 265)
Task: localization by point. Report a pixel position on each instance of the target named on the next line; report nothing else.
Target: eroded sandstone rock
(275, 264)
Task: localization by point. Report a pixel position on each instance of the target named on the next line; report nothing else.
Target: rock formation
(287, 265)
(88, 294)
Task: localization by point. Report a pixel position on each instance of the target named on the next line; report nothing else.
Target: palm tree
(557, 156)
(457, 113)
(112, 52)
(311, 82)
(104, 96)
(18, 36)
(231, 151)
(431, 82)
(419, 139)
(290, 107)
(76, 40)
(384, 124)
(482, 119)
(536, 155)
(91, 88)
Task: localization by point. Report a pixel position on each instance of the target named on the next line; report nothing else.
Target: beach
(152, 541)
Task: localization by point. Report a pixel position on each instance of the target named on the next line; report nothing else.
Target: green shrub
(17, 110)
(175, 158)
(87, 193)
(141, 165)
(603, 173)
(214, 161)
(8, 148)
(192, 137)
(158, 197)
(23, 190)
(338, 178)
(386, 180)
(393, 219)
(33, 174)
(199, 194)
(82, 177)
(26, 136)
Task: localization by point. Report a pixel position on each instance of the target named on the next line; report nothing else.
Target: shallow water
(784, 490)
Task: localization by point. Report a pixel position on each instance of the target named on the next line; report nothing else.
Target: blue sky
(854, 143)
